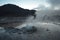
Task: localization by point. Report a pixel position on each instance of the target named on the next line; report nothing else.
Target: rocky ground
(37, 31)
(44, 27)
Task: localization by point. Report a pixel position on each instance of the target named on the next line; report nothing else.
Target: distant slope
(13, 10)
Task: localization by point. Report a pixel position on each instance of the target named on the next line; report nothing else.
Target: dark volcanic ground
(45, 31)
(46, 27)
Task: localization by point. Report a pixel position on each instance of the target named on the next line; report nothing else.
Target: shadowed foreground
(41, 31)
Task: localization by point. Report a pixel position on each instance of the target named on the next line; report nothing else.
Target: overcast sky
(31, 4)
(27, 4)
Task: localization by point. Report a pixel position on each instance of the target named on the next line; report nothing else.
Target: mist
(46, 25)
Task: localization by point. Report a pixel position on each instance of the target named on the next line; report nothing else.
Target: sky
(34, 4)
(27, 4)
(55, 4)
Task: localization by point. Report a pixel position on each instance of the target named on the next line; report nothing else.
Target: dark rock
(5, 36)
(11, 14)
(29, 29)
(11, 10)
(13, 30)
(47, 29)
